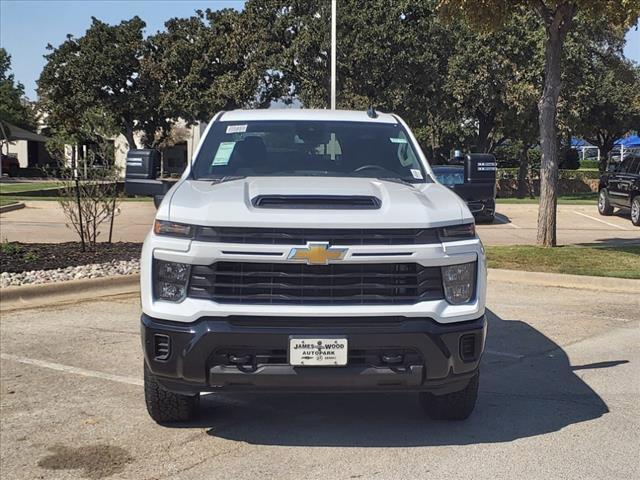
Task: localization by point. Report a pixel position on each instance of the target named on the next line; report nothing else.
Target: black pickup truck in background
(473, 178)
(620, 187)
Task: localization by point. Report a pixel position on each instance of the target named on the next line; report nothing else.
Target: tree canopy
(463, 74)
(14, 107)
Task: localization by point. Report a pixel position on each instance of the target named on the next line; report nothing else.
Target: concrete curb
(561, 280)
(11, 207)
(30, 296)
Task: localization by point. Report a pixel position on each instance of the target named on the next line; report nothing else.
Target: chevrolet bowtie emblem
(317, 253)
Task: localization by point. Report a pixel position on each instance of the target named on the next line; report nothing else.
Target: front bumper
(201, 356)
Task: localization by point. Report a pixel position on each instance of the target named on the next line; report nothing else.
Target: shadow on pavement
(615, 243)
(527, 388)
(501, 218)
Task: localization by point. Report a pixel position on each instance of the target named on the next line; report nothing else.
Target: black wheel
(635, 211)
(165, 406)
(14, 170)
(604, 207)
(486, 218)
(452, 406)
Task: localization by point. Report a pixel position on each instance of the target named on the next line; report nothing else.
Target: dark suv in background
(620, 187)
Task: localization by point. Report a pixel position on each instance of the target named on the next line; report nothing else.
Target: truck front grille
(300, 236)
(301, 284)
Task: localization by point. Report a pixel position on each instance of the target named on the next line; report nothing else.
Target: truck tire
(165, 406)
(635, 210)
(604, 207)
(452, 406)
(486, 218)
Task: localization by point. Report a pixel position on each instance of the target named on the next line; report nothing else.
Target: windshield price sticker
(398, 140)
(224, 153)
(237, 128)
(417, 174)
(317, 351)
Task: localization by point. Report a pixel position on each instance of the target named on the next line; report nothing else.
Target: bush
(96, 203)
(589, 164)
(571, 160)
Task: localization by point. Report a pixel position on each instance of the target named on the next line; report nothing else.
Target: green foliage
(14, 108)
(10, 248)
(103, 74)
(571, 160)
(589, 164)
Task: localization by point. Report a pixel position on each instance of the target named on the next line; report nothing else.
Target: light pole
(333, 54)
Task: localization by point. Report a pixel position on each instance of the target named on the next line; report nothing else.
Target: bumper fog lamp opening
(459, 282)
(171, 280)
(171, 291)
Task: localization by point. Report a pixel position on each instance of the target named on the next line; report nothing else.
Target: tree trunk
(128, 135)
(558, 24)
(486, 124)
(522, 172)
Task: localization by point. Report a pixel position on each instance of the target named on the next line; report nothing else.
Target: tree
(14, 107)
(557, 17)
(215, 60)
(609, 103)
(105, 68)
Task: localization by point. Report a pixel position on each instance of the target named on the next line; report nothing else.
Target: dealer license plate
(320, 352)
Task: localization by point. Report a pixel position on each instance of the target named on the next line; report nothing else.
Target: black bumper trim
(189, 368)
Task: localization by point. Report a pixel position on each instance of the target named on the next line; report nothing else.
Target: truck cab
(309, 251)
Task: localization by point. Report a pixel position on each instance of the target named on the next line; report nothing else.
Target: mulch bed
(20, 257)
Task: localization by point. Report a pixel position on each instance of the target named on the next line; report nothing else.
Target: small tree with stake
(557, 17)
(89, 192)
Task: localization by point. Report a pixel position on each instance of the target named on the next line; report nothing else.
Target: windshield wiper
(397, 180)
(227, 178)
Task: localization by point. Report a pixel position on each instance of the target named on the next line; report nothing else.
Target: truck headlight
(462, 231)
(172, 229)
(459, 282)
(171, 279)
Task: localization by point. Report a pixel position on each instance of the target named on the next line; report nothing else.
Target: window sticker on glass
(398, 140)
(237, 128)
(224, 153)
(417, 174)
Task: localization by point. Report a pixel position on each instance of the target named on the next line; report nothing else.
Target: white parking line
(69, 369)
(503, 354)
(598, 220)
(504, 222)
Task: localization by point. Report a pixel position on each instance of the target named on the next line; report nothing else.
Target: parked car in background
(620, 187)
(10, 165)
(474, 180)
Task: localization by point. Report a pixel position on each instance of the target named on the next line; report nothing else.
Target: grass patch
(26, 187)
(586, 198)
(621, 262)
(7, 201)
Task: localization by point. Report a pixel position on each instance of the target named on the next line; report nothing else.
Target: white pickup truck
(309, 251)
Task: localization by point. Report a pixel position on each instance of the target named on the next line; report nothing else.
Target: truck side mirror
(141, 176)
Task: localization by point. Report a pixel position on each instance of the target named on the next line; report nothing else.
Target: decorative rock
(95, 270)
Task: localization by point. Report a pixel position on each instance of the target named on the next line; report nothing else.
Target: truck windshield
(308, 148)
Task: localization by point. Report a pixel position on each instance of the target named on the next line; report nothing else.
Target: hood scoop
(318, 202)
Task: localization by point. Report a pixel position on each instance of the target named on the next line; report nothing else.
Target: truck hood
(202, 202)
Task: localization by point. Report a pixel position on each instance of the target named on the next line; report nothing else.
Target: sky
(27, 26)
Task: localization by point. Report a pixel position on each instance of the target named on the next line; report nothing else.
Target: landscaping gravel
(95, 270)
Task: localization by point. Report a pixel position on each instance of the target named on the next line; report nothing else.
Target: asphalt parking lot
(559, 399)
(516, 224)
